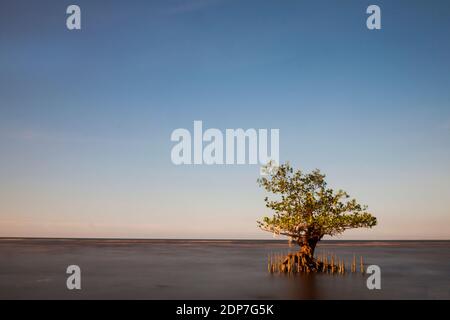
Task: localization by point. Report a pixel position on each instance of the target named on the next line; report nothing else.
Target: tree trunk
(308, 245)
(305, 257)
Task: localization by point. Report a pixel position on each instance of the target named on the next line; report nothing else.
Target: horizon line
(202, 239)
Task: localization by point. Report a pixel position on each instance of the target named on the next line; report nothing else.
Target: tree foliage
(305, 208)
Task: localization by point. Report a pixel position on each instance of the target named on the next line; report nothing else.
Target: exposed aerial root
(304, 263)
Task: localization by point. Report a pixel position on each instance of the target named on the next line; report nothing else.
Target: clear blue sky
(86, 116)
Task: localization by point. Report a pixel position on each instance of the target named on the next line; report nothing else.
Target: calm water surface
(200, 269)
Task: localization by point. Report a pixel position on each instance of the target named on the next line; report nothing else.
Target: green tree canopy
(306, 209)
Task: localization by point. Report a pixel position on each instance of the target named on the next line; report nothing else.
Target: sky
(86, 116)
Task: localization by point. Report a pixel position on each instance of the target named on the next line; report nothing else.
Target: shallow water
(202, 269)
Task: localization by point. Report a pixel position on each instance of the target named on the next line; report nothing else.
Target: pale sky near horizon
(86, 116)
